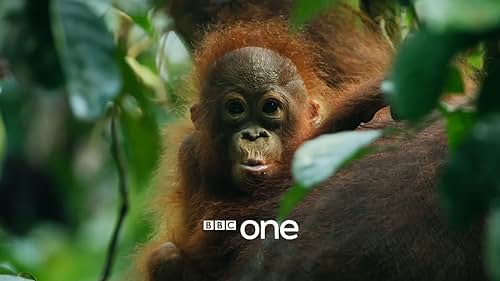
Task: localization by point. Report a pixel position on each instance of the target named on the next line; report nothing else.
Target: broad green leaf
(470, 179)
(144, 21)
(12, 278)
(461, 15)
(148, 77)
(87, 54)
(318, 159)
(304, 10)
(99, 7)
(475, 57)
(458, 125)
(492, 248)
(291, 198)
(421, 71)
(26, 275)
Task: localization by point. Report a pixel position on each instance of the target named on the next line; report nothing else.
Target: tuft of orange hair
(273, 34)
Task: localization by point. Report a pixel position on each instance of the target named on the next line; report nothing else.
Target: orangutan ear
(195, 115)
(315, 115)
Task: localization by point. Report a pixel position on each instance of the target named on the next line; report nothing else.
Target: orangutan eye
(235, 107)
(271, 106)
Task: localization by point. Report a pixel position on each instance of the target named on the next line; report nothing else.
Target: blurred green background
(59, 185)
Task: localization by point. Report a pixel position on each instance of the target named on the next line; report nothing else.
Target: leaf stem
(118, 157)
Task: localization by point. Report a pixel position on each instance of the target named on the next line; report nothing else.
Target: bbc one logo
(251, 229)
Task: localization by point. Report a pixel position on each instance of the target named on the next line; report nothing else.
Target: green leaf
(458, 125)
(7, 269)
(293, 196)
(304, 10)
(318, 159)
(470, 179)
(26, 275)
(353, 3)
(420, 72)
(144, 21)
(148, 77)
(475, 57)
(459, 15)
(87, 54)
(12, 278)
(133, 8)
(492, 248)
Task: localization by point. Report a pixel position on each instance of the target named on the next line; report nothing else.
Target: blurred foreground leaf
(294, 195)
(470, 179)
(12, 278)
(317, 160)
(133, 7)
(458, 125)
(461, 15)
(148, 77)
(87, 53)
(7, 269)
(421, 71)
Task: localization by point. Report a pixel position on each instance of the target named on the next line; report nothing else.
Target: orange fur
(273, 34)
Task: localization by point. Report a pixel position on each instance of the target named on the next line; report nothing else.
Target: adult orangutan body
(260, 95)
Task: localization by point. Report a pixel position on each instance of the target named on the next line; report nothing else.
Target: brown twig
(123, 190)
